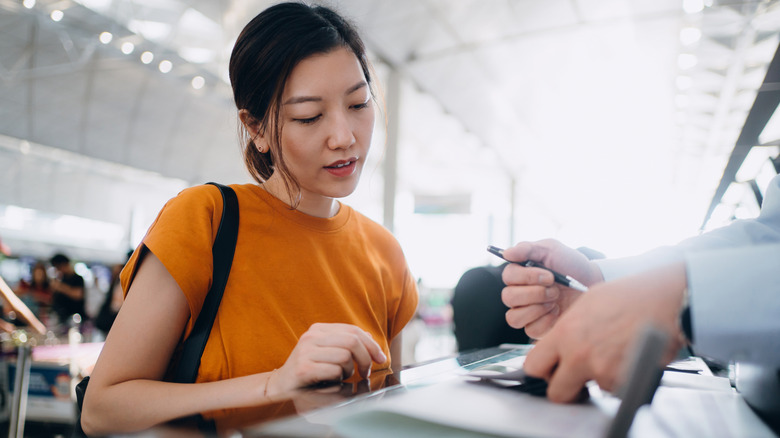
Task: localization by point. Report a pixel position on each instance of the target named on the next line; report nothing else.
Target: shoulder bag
(222, 252)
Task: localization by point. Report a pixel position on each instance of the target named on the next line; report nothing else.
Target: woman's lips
(342, 168)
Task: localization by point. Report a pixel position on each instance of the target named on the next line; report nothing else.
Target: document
(686, 404)
(461, 407)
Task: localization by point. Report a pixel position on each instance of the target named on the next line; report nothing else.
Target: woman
(317, 292)
(36, 293)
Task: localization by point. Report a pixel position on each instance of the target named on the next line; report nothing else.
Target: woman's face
(327, 119)
(39, 274)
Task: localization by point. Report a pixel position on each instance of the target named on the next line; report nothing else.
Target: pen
(559, 278)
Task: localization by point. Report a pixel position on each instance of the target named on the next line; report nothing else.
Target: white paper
(477, 409)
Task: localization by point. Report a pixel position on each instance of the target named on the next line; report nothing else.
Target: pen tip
(495, 250)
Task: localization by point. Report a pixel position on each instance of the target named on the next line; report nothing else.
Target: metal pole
(393, 96)
(21, 385)
(512, 209)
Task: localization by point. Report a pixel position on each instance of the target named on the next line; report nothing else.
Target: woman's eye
(361, 105)
(309, 120)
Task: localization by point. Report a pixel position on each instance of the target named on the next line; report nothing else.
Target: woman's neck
(309, 203)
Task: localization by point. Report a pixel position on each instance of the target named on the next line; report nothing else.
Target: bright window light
(683, 82)
(151, 30)
(686, 61)
(754, 161)
(693, 6)
(102, 6)
(198, 82)
(128, 47)
(83, 228)
(57, 15)
(15, 218)
(771, 130)
(165, 66)
(734, 193)
(197, 55)
(690, 35)
(106, 37)
(681, 101)
(29, 4)
(147, 57)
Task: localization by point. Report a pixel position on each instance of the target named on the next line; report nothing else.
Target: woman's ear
(252, 125)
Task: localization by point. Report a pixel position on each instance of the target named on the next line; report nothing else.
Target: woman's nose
(340, 134)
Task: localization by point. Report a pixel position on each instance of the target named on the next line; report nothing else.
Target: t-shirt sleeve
(405, 305)
(182, 236)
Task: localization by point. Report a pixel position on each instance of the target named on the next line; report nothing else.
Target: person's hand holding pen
(534, 298)
(594, 338)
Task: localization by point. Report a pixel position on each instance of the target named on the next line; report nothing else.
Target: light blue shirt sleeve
(733, 284)
(735, 303)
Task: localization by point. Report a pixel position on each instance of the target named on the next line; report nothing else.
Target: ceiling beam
(763, 108)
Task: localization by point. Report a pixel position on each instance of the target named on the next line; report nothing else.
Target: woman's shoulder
(374, 230)
(201, 197)
(209, 192)
(198, 193)
(191, 212)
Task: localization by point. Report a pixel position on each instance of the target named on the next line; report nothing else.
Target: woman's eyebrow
(356, 87)
(302, 99)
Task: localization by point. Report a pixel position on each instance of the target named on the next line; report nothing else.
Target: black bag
(222, 252)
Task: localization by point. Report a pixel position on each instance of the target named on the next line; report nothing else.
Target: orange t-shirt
(289, 270)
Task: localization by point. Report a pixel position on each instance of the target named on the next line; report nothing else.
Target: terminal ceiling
(567, 101)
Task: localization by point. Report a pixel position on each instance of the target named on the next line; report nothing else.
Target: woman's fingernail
(550, 293)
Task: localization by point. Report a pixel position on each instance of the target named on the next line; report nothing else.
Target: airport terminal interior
(614, 126)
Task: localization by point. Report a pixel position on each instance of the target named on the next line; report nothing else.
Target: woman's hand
(327, 352)
(535, 301)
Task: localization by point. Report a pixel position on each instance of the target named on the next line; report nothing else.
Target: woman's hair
(265, 54)
(39, 266)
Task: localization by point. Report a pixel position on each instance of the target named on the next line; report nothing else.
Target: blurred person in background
(112, 301)
(68, 291)
(36, 293)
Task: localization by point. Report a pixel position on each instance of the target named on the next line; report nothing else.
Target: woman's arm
(126, 391)
(396, 358)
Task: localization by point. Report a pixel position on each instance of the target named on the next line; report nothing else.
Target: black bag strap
(222, 252)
